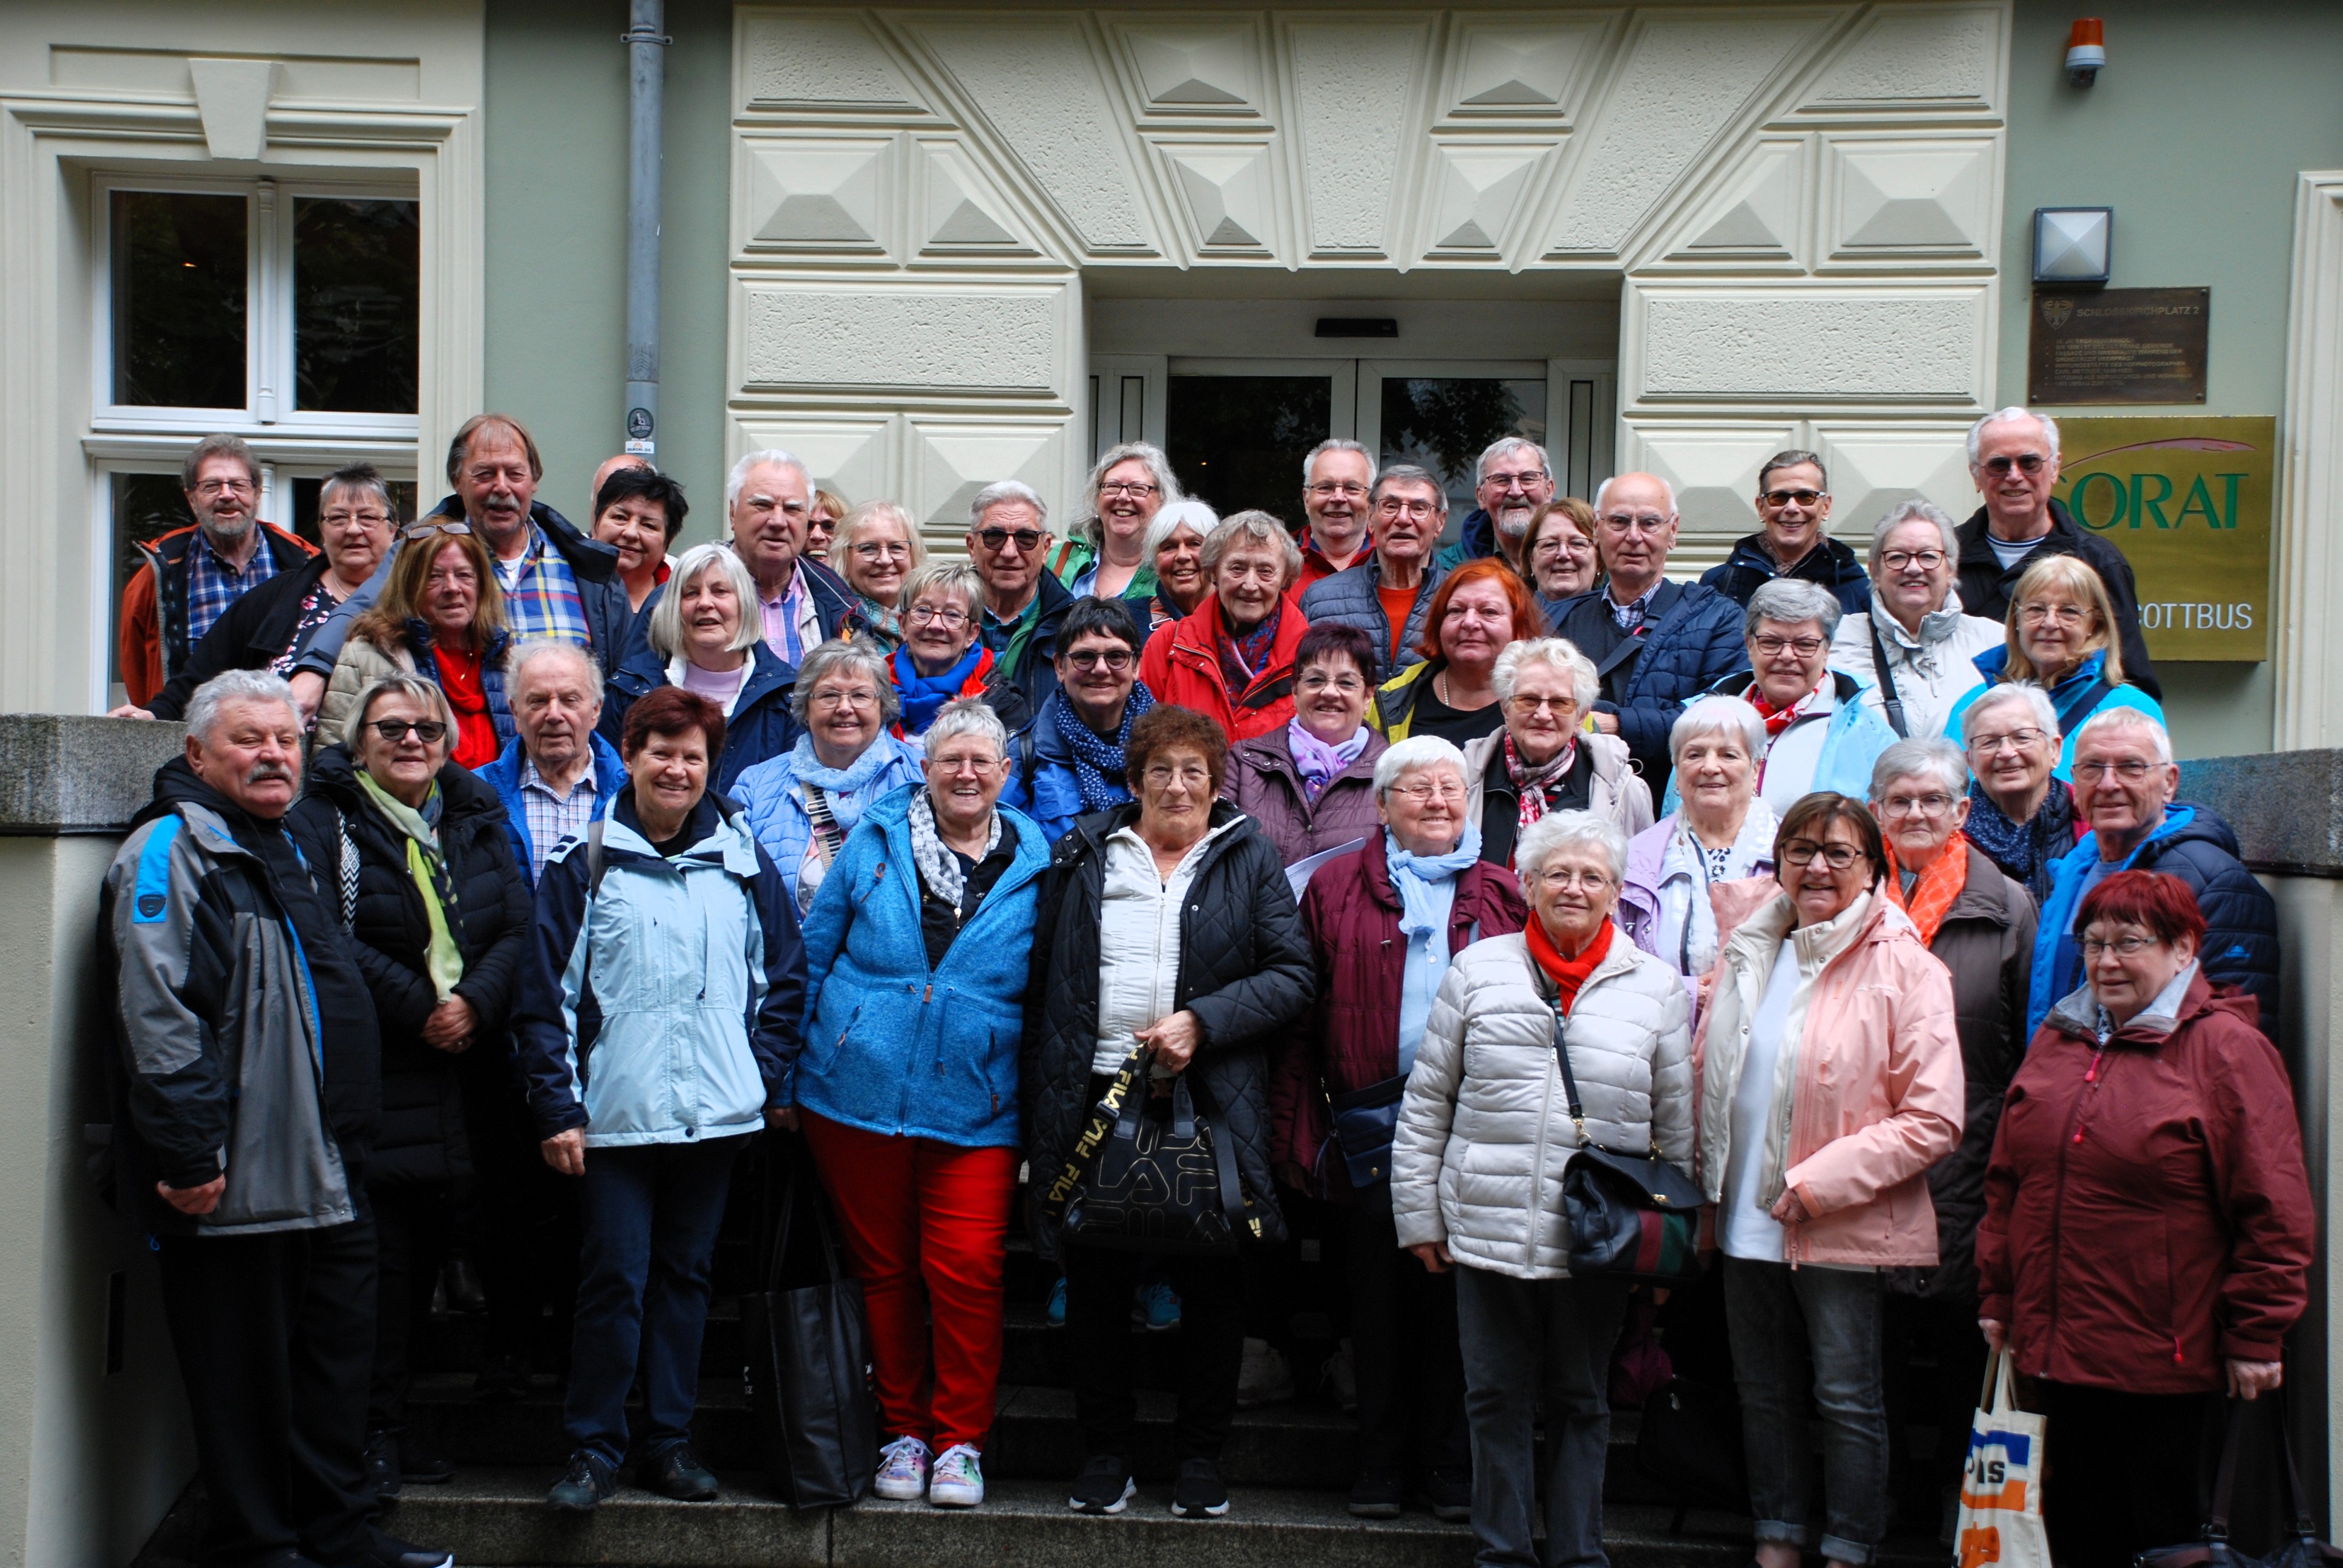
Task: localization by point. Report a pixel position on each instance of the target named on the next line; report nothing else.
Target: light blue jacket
(771, 797)
(890, 1046)
(2067, 697)
(1853, 741)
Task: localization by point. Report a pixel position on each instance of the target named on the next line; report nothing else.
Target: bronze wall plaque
(2118, 346)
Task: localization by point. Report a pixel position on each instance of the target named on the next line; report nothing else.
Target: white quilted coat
(1486, 1128)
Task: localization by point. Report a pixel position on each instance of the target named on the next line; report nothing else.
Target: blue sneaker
(1157, 1309)
(1058, 1303)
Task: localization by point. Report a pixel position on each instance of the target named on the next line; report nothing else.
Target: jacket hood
(716, 829)
(2077, 1013)
(1749, 551)
(1994, 660)
(1773, 922)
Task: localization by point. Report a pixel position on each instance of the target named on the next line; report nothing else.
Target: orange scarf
(1570, 974)
(1939, 885)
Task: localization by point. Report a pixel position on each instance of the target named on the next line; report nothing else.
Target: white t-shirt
(1749, 1233)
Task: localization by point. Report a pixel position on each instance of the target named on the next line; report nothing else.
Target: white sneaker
(902, 1471)
(957, 1481)
(1265, 1379)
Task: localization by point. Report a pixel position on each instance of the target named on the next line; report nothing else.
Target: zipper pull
(2177, 1356)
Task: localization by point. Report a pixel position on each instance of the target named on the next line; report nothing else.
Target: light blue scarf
(1413, 876)
(842, 787)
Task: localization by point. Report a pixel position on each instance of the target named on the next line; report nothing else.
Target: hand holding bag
(2001, 1480)
(1150, 1178)
(808, 1374)
(2212, 1549)
(1631, 1215)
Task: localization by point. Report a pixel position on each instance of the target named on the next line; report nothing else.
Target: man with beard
(1511, 481)
(191, 575)
(245, 1081)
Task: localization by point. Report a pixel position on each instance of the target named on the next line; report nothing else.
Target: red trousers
(926, 1226)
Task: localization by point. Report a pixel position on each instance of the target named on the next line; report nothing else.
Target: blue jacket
(1053, 797)
(2070, 696)
(1852, 742)
(890, 1046)
(773, 803)
(503, 776)
(2240, 946)
(760, 725)
(663, 1008)
(1692, 638)
(1475, 537)
(1830, 564)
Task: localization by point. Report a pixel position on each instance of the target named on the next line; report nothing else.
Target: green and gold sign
(2187, 501)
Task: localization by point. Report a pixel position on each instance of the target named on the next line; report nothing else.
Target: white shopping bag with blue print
(2001, 1484)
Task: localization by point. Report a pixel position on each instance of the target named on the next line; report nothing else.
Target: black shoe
(587, 1481)
(1198, 1494)
(420, 1462)
(1104, 1486)
(1376, 1494)
(461, 1284)
(390, 1551)
(675, 1472)
(502, 1381)
(382, 1464)
(1447, 1494)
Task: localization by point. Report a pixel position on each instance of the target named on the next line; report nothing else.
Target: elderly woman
(823, 519)
(1560, 549)
(1980, 926)
(1175, 552)
(2061, 636)
(410, 849)
(925, 983)
(1232, 658)
(1168, 927)
(1308, 785)
(2021, 815)
(802, 804)
(2148, 1228)
(638, 512)
(1719, 833)
(1484, 1133)
(941, 659)
(1912, 649)
(1106, 555)
(1079, 735)
(1384, 924)
(1830, 1084)
(1818, 736)
(706, 635)
(1541, 760)
(687, 989)
(1477, 610)
(442, 616)
(876, 548)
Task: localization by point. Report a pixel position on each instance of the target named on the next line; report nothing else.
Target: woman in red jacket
(1232, 658)
(2147, 1226)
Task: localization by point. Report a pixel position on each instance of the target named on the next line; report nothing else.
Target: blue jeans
(1796, 1329)
(651, 1212)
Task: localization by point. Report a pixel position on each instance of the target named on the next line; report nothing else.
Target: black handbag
(808, 1372)
(1153, 1175)
(1365, 1122)
(1630, 1215)
(1690, 1444)
(2211, 1549)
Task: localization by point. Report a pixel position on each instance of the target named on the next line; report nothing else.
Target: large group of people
(517, 877)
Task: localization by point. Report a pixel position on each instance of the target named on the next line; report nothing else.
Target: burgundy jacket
(2147, 1216)
(1351, 916)
(1263, 783)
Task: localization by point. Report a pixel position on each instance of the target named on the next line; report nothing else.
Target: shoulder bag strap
(594, 857)
(1224, 1155)
(1889, 700)
(1100, 1123)
(828, 836)
(347, 872)
(1569, 1081)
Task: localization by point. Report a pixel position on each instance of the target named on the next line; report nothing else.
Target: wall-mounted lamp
(2087, 51)
(2072, 244)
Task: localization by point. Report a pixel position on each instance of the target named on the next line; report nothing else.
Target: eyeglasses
(1772, 646)
(2024, 463)
(2131, 771)
(831, 698)
(1115, 659)
(1567, 545)
(1393, 507)
(1024, 538)
(2064, 614)
(1788, 498)
(1137, 489)
(897, 551)
(1522, 481)
(427, 730)
(1566, 878)
(1453, 792)
(945, 615)
(1327, 490)
(1634, 523)
(1927, 560)
(344, 520)
(1909, 805)
(2122, 947)
(1319, 680)
(223, 488)
(958, 765)
(2017, 740)
(1160, 775)
(1837, 857)
(1523, 702)
(424, 530)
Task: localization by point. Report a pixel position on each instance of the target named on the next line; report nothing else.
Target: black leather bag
(1159, 1178)
(1365, 1122)
(808, 1374)
(2211, 1549)
(1690, 1444)
(1634, 1216)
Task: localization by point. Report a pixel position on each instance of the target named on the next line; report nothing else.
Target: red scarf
(460, 682)
(1777, 719)
(1569, 974)
(1939, 885)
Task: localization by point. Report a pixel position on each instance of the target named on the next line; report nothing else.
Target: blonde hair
(2075, 574)
(849, 528)
(384, 625)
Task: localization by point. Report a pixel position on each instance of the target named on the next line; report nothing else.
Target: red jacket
(1182, 666)
(2147, 1216)
(1351, 915)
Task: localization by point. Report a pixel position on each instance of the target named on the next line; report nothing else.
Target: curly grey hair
(1556, 652)
(1559, 830)
(2036, 701)
(1257, 526)
(234, 686)
(1716, 715)
(846, 656)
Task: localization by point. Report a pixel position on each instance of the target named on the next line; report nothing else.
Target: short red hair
(672, 710)
(1527, 621)
(2157, 901)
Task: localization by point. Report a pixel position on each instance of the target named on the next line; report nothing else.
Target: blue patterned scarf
(924, 694)
(1098, 761)
(2027, 851)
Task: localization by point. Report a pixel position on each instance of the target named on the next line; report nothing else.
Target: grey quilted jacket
(1349, 598)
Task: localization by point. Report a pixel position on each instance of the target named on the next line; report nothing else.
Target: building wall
(2194, 134)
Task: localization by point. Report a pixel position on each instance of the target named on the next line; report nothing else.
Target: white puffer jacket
(1486, 1128)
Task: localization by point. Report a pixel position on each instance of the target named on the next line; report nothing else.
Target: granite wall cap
(63, 773)
(2287, 808)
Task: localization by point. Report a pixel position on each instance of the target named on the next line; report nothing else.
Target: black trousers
(1098, 1284)
(1405, 1350)
(274, 1335)
(2127, 1470)
(1942, 1330)
(527, 1230)
(412, 1227)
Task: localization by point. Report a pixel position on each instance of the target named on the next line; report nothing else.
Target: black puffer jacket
(1244, 971)
(421, 1140)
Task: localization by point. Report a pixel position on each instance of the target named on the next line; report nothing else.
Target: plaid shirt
(553, 818)
(1629, 616)
(542, 598)
(213, 585)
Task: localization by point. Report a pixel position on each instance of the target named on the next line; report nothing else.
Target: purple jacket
(1639, 894)
(1263, 783)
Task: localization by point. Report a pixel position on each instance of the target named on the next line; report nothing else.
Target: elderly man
(1337, 480)
(2124, 784)
(1818, 733)
(1386, 595)
(245, 1081)
(1793, 508)
(189, 577)
(556, 775)
(1912, 648)
(2014, 463)
(769, 497)
(1511, 480)
(270, 628)
(1656, 643)
(1007, 533)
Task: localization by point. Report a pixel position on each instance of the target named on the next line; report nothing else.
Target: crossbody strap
(1569, 1081)
(828, 836)
(347, 872)
(1890, 700)
(594, 857)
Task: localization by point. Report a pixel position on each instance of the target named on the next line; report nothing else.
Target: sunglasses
(1024, 538)
(2024, 463)
(429, 731)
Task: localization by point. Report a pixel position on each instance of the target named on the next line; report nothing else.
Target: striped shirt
(792, 625)
(553, 818)
(542, 598)
(213, 584)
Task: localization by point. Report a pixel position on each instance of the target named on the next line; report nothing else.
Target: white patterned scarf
(939, 866)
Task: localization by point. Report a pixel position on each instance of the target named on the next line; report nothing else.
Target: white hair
(1558, 653)
(1922, 755)
(2036, 701)
(1170, 519)
(232, 686)
(738, 480)
(1260, 528)
(966, 716)
(1716, 714)
(1559, 830)
(1504, 444)
(2005, 416)
(1000, 492)
(1912, 511)
(665, 631)
(1788, 601)
(1666, 489)
(1416, 751)
(2137, 719)
(1337, 443)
